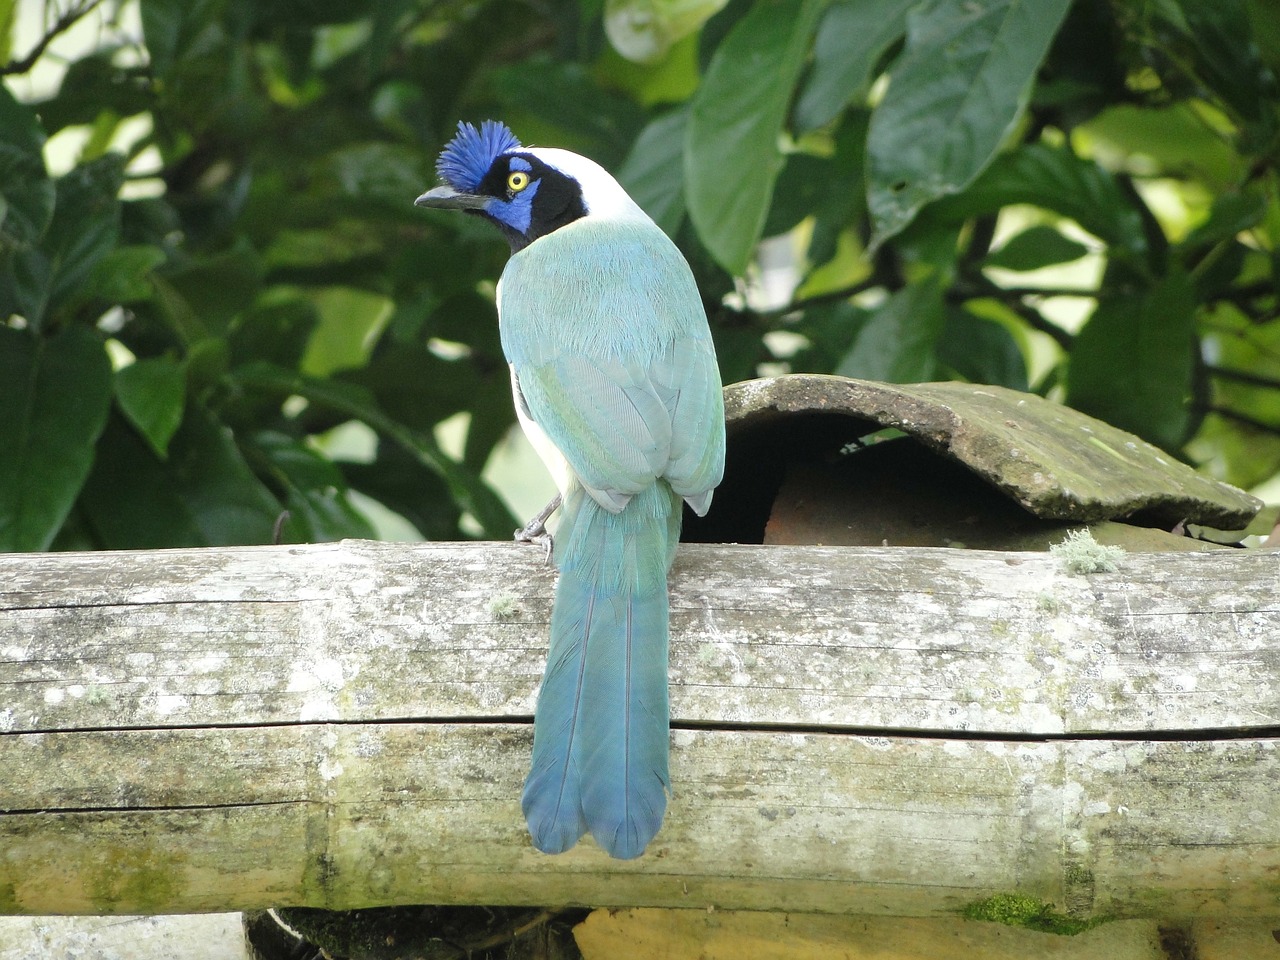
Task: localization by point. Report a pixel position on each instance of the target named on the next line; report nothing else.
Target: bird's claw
(544, 540)
(535, 531)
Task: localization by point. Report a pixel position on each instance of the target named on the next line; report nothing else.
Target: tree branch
(980, 287)
(832, 296)
(1244, 419)
(1241, 376)
(60, 26)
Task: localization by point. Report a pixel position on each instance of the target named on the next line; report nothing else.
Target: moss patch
(504, 606)
(1016, 910)
(1082, 554)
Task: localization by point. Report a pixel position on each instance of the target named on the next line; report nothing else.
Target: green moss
(1016, 910)
(1082, 554)
(1047, 603)
(1077, 876)
(504, 606)
(134, 878)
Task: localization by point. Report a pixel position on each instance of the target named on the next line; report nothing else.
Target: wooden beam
(895, 731)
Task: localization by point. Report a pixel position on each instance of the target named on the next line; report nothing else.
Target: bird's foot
(535, 531)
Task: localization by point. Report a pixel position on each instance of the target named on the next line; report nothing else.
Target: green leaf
(203, 495)
(1056, 179)
(1250, 456)
(670, 80)
(277, 332)
(85, 225)
(315, 491)
(644, 30)
(1131, 364)
(654, 171)
(206, 294)
(1264, 17)
(1036, 247)
(8, 17)
(954, 95)
(152, 394)
(801, 189)
(471, 318)
(24, 285)
(1176, 137)
(383, 172)
(562, 103)
(401, 483)
(845, 197)
(1232, 213)
(830, 329)
(55, 395)
(173, 27)
(731, 154)
(420, 389)
(896, 343)
(337, 241)
(1229, 62)
(123, 275)
(465, 486)
(350, 322)
(22, 131)
(853, 36)
(981, 351)
(96, 87)
(26, 190)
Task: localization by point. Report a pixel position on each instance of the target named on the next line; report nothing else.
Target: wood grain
(856, 730)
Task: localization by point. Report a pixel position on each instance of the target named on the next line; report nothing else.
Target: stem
(831, 296)
(60, 26)
(1241, 376)
(1244, 419)
(980, 287)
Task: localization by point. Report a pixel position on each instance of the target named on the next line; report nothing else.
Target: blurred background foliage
(218, 303)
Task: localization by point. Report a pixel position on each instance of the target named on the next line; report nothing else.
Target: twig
(1053, 292)
(831, 296)
(1249, 291)
(982, 288)
(60, 26)
(1241, 376)
(1245, 420)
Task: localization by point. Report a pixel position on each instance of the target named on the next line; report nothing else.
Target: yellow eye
(517, 181)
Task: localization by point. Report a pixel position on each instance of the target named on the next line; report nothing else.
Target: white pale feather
(547, 451)
(602, 195)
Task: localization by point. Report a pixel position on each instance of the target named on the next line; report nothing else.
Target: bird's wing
(688, 380)
(614, 361)
(604, 417)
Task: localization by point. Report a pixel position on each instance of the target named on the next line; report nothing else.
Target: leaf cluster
(222, 320)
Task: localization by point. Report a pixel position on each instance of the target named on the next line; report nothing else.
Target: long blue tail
(600, 735)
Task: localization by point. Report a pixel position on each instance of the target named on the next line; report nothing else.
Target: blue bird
(616, 385)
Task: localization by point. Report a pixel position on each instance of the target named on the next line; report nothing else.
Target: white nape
(603, 195)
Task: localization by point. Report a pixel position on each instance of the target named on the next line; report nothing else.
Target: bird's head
(527, 192)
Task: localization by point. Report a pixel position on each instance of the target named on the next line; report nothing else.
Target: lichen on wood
(855, 730)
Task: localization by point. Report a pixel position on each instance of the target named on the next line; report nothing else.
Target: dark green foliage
(188, 311)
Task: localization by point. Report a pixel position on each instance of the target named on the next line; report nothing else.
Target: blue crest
(467, 157)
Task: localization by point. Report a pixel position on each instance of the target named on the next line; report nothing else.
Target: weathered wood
(857, 730)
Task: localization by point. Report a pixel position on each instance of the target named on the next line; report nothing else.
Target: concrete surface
(215, 936)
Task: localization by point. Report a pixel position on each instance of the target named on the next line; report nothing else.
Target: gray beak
(449, 198)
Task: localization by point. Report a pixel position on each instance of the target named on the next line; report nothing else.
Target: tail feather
(601, 728)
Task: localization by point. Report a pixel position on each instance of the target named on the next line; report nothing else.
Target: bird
(615, 383)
